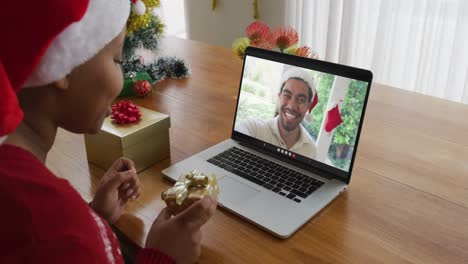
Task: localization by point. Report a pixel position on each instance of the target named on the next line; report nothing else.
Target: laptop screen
(309, 115)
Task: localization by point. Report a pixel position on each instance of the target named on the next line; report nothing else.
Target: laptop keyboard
(277, 178)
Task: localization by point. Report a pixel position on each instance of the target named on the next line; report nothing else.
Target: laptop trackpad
(233, 191)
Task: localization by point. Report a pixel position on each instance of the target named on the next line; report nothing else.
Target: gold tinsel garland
(255, 7)
(151, 3)
(136, 22)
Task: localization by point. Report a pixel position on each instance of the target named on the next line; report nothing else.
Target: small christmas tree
(144, 33)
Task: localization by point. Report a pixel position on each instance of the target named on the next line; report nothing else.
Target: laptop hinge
(317, 171)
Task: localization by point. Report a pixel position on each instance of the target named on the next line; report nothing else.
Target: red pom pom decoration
(142, 88)
(125, 112)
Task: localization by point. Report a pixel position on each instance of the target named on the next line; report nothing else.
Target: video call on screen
(274, 109)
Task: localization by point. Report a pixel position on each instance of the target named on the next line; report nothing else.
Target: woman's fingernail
(134, 197)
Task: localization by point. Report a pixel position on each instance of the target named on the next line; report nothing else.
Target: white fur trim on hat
(102, 22)
(302, 74)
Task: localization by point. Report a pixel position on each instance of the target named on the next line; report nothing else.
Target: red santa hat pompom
(309, 79)
(42, 47)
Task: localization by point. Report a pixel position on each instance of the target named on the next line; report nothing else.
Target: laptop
(294, 139)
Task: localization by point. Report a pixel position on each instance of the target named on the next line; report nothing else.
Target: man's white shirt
(268, 131)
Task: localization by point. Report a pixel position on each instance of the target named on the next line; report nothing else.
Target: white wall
(172, 13)
(229, 20)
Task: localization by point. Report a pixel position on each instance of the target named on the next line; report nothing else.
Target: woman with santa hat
(59, 67)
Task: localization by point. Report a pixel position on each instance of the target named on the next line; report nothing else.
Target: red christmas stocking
(333, 119)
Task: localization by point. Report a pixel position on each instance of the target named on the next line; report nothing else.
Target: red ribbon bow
(125, 112)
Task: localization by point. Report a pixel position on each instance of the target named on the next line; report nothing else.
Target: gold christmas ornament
(213, 5)
(256, 15)
(255, 8)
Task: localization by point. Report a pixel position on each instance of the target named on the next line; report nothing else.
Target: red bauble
(125, 112)
(142, 88)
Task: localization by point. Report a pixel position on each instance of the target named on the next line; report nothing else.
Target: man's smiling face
(294, 102)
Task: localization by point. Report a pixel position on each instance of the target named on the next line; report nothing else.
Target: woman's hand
(180, 236)
(119, 184)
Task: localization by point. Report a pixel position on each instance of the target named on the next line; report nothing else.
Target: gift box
(188, 189)
(129, 81)
(145, 141)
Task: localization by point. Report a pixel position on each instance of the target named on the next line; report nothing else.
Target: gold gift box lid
(130, 133)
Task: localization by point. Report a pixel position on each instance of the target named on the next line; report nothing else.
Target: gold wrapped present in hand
(190, 188)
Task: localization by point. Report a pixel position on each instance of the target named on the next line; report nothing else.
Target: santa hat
(45, 40)
(309, 79)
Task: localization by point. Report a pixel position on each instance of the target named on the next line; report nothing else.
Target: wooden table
(408, 198)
